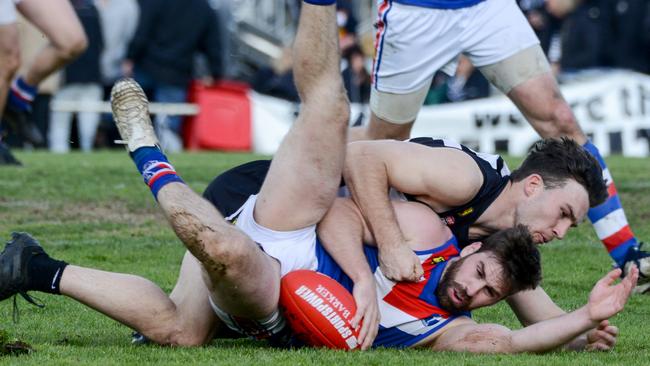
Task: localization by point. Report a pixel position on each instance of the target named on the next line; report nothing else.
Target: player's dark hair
(557, 160)
(518, 256)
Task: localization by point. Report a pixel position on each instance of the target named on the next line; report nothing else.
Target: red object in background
(224, 119)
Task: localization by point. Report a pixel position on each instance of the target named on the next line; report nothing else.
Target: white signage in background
(613, 109)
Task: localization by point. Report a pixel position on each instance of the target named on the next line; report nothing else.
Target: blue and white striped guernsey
(409, 311)
(438, 4)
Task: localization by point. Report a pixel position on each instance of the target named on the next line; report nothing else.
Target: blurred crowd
(168, 44)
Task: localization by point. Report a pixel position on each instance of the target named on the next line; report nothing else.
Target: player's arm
(342, 232)
(605, 301)
(534, 306)
(447, 178)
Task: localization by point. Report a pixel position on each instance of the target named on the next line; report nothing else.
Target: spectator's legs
(170, 127)
(59, 129)
(541, 102)
(87, 122)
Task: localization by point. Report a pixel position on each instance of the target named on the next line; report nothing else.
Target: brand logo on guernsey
(466, 212)
(436, 260)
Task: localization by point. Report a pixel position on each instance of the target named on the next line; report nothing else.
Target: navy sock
(21, 95)
(155, 168)
(45, 274)
(320, 2)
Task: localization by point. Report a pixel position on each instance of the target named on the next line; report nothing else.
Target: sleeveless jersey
(409, 311)
(495, 178)
(437, 4)
(231, 189)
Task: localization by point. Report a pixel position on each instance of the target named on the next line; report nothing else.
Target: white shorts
(293, 249)
(414, 42)
(8, 11)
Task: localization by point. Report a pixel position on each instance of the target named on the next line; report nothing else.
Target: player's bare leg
(58, 21)
(9, 59)
(141, 305)
(229, 257)
(379, 129)
(129, 299)
(305, 173)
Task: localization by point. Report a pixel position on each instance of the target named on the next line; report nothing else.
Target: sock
(155, 168)
(609, 218)
(21, 95)
(45, 274)
(320, 2)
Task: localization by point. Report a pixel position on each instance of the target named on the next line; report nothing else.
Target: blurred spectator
(631, 30)
(347, 23)
(277, 80)
(355, 76)
(161, 55)
(82, 83)
(119, 21)
(586, 37)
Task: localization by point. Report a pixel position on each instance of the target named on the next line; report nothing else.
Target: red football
(319, 310)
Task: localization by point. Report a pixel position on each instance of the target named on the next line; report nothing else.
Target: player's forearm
(341, 233)
(534, 306)
(367, 180)
(552, 333)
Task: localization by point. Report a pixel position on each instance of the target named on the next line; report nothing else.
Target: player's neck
(501, 213)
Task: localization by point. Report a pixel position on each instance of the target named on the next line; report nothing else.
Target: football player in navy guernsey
(415, 38)
(231, 273)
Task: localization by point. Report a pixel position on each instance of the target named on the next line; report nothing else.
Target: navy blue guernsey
(496, 176)
(230, 190)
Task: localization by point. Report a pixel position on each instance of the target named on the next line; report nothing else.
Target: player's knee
(73, 46)
(564, 120)
(175, 336)
(188, 339)
(226, 254)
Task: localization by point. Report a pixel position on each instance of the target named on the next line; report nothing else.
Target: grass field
(93, 210)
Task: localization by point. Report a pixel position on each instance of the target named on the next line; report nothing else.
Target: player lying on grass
(234, 271)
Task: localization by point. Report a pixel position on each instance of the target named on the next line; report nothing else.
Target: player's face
(549, 213)
(471, 282)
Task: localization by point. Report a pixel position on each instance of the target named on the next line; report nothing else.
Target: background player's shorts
(8, 11)
(293, 249)
(414, 42)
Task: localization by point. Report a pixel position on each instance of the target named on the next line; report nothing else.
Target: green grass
(93, 210)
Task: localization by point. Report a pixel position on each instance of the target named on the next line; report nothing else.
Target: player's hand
(606, 300)
(399, 263)
(602, 338)
(365, 296)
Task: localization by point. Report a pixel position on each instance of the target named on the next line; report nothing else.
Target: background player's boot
(640, 258)
(131, 114)
(20, 122)
(14, 262)
(6, 157)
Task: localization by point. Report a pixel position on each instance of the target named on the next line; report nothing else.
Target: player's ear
(471, 249)
(533, 184)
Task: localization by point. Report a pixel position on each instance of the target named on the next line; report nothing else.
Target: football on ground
(319, 310)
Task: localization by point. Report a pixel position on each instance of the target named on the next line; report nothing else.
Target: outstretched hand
(365, 296)
(606, 300)
(602, 338)
(399, 263)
